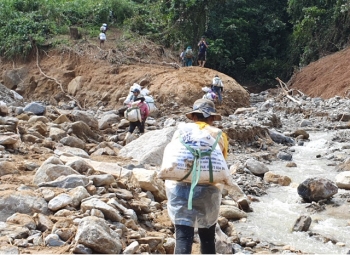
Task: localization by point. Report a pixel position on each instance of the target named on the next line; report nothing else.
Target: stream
(275, 214)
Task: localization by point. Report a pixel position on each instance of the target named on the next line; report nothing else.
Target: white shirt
(217, 82)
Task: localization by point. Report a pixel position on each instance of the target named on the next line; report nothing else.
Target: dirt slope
(107, 74)
(325, 78)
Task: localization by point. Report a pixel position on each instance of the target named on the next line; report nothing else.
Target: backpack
(103, 29)
(133, 113)
(189, 53)
(217, 82)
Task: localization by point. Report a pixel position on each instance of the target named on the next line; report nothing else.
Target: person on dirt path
(202, 52)
(103, 38)
(218, 87)
(104, 28)
(144, 110)
(206, 197)
(188, 56)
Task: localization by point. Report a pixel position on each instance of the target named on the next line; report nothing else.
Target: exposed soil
(325, 78)
(107, 74)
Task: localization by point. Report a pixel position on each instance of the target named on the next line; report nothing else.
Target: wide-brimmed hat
(205, 107)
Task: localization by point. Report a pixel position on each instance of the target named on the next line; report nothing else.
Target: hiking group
(194, 164)
(187, 56)
(194, 191)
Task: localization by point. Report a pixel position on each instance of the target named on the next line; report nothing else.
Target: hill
(94, 76)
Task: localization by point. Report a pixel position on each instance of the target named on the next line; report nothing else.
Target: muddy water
(274, 216)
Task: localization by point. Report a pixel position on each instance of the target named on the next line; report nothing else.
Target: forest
(252, 41)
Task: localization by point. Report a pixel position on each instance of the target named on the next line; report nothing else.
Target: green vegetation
(252, 41)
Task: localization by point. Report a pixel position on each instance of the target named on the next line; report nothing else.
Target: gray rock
(256, 167)
(108, 120)
(59, 202)
(149, 148)
(85, 117)
(81, 249)
(50, 172)
(8, 124)
(131, 248)
(80, 166)
(284, 156)
(78, 194)
(56, 134)
(108, 211)
(302, 223)
(35, 107)
(67, 182)
(26, 202)
(81, 130)
(12, 78)
(231, 212)
(60, 150)
(95, 234)
(73, 141)
(53, 240)
(280, 138)
(102, 180)
(315, 189)
(343, 180)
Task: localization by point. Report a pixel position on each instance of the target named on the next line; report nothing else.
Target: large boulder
(86, 117)
(316, 189)
(35, 107)
(25, 201)
(149, 148)
(50, 172)
(148, 181)
(81, 130)
(343, 180)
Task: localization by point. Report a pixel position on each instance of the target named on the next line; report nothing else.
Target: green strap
(196, 167)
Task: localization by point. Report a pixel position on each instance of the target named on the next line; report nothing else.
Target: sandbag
(210, 96)
(133, 114)
(178, 160)
(135, 86)
(150, 103)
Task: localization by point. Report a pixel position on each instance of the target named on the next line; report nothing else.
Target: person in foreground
(206, 197)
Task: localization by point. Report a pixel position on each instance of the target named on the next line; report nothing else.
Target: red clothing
(144, 110)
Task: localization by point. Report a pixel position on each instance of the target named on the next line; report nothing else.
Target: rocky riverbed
(69, 186)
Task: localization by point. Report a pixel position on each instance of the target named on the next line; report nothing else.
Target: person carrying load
(194, 167)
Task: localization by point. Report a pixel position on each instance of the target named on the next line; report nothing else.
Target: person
(210, 95)
(188, 56)
(218, 87)
(206, 197)
(131, 98)
(104, 28)
(102, 38)
(144, 110)
(202, 53)
(182, 58)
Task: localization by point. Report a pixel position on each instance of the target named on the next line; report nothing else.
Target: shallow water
(274, 216)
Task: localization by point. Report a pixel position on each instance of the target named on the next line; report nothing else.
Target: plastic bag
(178, 160)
